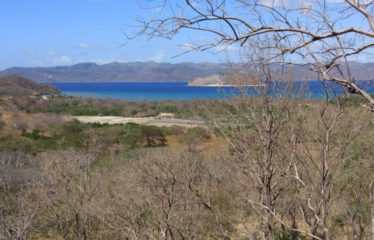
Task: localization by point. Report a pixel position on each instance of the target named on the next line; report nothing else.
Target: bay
(161, 91)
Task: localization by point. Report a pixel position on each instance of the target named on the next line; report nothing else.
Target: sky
(42, 33)
(64, 32)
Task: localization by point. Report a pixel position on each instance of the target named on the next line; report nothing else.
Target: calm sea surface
(161, 91)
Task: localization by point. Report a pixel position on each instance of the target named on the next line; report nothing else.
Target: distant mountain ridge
(119, 72)
(156, 72)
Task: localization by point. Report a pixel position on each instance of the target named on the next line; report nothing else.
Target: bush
(99, 125)
(173, 130)
(73, 126)
(193, 137)
(196, 134)
(169, 109)
(153, 136)
(131, 135)
(16, 143)
(34, 135)
(134, 134)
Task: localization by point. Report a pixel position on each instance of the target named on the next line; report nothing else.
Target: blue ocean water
(160, 91)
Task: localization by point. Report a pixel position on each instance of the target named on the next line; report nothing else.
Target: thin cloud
(83, 45)
(63, 60)
(159, 57)
(91, 46)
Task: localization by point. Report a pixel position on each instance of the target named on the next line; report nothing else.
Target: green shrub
(134, 134)
(34, 135)
(16, 143)
(131, 135)
(169, 109)
(99, 125)
(173, 130)
(73, 126)
(153, 136)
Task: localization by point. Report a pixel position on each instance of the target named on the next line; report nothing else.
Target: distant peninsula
(13, 85)
(195, 73)
(224, 80)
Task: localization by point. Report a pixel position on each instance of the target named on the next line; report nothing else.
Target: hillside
(119, 72)
(159, 72)
(16, 85)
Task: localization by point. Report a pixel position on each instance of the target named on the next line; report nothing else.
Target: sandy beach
(155, 121)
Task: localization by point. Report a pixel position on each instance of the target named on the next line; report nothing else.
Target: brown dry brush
(168, 195)
(262, 141)
(293, 162)
(21, 191)
(290, 175)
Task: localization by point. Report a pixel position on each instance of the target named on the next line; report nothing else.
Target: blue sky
(65, 32)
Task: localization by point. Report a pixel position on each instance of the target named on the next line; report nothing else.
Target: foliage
(34, 135)
(125, 181)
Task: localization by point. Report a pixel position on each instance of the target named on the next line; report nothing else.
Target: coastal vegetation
(78, 106)
(257, 169)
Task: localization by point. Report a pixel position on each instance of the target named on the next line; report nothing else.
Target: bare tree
(166, 195)
(20, 194)
(262, 132)
(291, 157)
(72, 188)
(322, 34)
